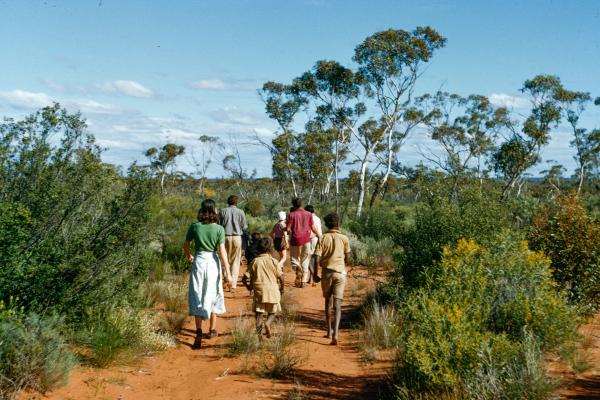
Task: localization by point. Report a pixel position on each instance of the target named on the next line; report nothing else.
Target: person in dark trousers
(332, 255)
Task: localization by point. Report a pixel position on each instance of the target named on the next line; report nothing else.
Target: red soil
(182, 373)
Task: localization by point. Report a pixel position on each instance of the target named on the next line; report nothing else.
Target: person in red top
(300, 225)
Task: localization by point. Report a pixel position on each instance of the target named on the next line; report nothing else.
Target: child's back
(265, 276)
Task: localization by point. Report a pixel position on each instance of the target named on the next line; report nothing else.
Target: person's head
(207, 214)
(297, 202)
(281, 216)
(233, 200)
(332, 221)
(264, 245)
(310, 209)
(256, 236)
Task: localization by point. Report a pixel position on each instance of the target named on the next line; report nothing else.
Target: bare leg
(213, 321)
(259, 317)
(328, 316)
(270, 320)
(337, 309)
(198, 321)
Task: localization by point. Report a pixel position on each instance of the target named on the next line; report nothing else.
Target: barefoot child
(265, 277)
(332, 254)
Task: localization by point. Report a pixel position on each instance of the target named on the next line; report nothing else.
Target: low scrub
(571, 239)
(281, 360)
(244, 337)
(480, 324)
(122, 333)
(373, 253)
(381, 330)
(33, 353)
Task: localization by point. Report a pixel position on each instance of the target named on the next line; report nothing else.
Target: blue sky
(147, 72)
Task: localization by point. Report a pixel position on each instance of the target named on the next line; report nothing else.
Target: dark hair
(310, 209)
(207, 214)
(232, 200)
(264, 245)
(256, 236)
(297, 202)
(332, 220)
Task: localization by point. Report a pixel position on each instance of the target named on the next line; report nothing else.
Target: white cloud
(127, 88)
(508, 101)
(23, 99)
(220, 84)
(233, 115)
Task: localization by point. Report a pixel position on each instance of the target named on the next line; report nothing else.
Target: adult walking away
(332, 254)
(315, 235)
(205, 296)
(233, 220)
(300, 225)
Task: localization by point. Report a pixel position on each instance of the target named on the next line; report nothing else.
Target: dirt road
(184, 374)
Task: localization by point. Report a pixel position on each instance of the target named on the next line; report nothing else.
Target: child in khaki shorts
(265, 277)
(332, 254)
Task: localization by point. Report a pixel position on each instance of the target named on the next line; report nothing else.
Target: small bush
(571, 238)
(379, 222)
(381, 329)
(260, 224)
(33, 353)
(281, 360)
(254, 206)
(245, 340)
(373, 253)
(494, 305)
(123, 332)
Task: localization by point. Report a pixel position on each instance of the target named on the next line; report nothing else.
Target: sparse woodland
(488, 269)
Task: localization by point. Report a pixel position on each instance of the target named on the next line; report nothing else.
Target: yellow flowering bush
(481, 302)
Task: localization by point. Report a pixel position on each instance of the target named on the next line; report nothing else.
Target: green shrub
(373, 253)
(440, 221)
(254, 207)
(381, 330)
(121, 333)
(281, 360)
(260, 224)
(33, 353)
(378, 222)
(483, 305)
(245, 340)
(571, 238)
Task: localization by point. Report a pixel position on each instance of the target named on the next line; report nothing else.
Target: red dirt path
(185, 374)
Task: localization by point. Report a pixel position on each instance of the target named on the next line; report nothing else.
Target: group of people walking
(218, 239)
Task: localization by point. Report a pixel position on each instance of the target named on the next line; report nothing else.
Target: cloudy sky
(145, 73)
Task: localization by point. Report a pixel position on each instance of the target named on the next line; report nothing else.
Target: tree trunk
(363, 183)
(581, 174)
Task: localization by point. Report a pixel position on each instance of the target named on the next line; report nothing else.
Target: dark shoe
(213, 334)
(198, 340)
(334, 342)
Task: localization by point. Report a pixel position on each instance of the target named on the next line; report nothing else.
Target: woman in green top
(205, 296)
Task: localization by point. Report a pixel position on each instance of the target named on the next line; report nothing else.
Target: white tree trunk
(363, 183)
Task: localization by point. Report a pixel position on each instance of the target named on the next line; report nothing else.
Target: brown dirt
(585, 385)
(182, 373)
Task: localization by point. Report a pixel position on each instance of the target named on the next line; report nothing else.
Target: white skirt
(206, 287)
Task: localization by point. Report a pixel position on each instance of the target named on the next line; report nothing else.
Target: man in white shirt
(314, 239)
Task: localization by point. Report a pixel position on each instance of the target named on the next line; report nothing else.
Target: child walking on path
(265, 277)
(332, 254)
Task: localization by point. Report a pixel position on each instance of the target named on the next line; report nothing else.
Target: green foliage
(33, 353)
(493, 305)
(571, 238)
(260, 224)
(73, 230)
(254, 206)
(379, 222)
(381, 329)
(372, 253)
(440, 221)
(244, 337)
(120, 333)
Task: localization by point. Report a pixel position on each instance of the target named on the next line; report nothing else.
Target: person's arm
(223, 256)
(316, 276)
(244, 221)
(186, 251)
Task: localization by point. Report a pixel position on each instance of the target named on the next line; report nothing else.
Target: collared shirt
(264, 273)
(300, 225)
(332, 248)
(233, 220)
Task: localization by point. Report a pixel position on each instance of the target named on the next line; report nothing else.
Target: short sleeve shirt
(332, 248)
(206, 237)
(300, 224)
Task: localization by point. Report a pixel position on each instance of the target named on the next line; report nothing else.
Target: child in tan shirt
(265, 277)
